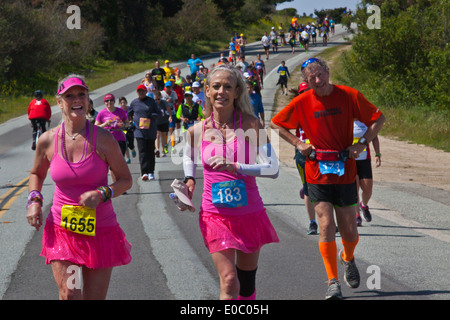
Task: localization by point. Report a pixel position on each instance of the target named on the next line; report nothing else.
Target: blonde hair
(72, 75)
(60, 82)
(242, 103)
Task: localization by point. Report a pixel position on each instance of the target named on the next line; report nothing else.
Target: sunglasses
(109, 101)
(305, 64)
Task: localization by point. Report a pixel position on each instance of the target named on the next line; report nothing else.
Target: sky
(308, 6)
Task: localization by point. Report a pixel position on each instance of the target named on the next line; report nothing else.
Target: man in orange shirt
(39, 111)
(326, 114)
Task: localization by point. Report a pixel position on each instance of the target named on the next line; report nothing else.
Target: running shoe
(133, 153)
(334, 290)
(157, 153)
(358, 220)
(351, 273)
(144, 177)
(151, 176)
(33, 146)
(166, 149)
(365, 211)
(128, 160)
(312, 228)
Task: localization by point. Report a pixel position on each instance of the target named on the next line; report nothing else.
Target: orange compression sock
(349, 248)
(328, 250)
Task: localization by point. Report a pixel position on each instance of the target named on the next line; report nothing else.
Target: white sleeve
(189, 160)
(268, 168)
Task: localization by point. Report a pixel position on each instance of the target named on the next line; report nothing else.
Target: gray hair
(319, 62)
(242, 103)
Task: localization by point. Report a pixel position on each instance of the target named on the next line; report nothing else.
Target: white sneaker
(144, 177)
(151, 176)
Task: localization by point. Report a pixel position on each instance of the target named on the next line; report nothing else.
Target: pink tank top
(224, 192)
(73, 179)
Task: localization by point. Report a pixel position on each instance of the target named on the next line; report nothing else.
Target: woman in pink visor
(81, 232)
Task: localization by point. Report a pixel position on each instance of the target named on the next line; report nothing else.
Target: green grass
(418, 126)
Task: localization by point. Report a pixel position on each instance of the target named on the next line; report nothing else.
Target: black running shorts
(364, 169)
(340, 195)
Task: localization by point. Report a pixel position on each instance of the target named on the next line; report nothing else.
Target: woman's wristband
(189, 178)
(35, 197)
(105, 193)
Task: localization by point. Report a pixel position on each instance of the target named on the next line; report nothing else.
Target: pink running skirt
(108, 248)
(247, 232)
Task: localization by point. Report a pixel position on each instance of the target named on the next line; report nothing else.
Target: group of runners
(208, 108)
(298, 35)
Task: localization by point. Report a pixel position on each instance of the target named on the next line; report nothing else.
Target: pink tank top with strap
(224, 192)
(73, 179)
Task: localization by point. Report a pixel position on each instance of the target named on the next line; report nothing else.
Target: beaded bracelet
(35, 197)
(106, 193)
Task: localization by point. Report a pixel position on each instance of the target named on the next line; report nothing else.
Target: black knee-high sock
(247, 282)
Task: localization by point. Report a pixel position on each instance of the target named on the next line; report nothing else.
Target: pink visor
(71, 82)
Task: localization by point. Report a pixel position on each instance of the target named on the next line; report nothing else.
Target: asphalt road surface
(402, 254)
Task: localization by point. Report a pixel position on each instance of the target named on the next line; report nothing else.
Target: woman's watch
(189, 178)
(363, 141)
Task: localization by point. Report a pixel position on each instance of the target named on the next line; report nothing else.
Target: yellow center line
(17, 191)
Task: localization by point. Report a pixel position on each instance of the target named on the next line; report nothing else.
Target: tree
(406, 61)
(36, 40)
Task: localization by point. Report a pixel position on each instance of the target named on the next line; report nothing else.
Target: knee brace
(247, 282)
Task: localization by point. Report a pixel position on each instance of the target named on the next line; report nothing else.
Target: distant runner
(39, 112)
(266, 44)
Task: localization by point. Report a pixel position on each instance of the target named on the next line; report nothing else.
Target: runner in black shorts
(364, 179)
(326, 114)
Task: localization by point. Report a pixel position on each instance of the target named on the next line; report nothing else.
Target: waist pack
(328, 155)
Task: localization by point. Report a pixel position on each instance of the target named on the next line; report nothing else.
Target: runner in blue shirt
(256, 102)
(194, 65)
(233, 51)
(284, 74)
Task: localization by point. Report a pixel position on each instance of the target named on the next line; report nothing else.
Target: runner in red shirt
(39, 111)
(326, 114)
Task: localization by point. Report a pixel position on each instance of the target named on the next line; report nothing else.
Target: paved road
(407, 244)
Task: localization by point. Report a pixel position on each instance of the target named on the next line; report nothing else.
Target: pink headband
(71, 82)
